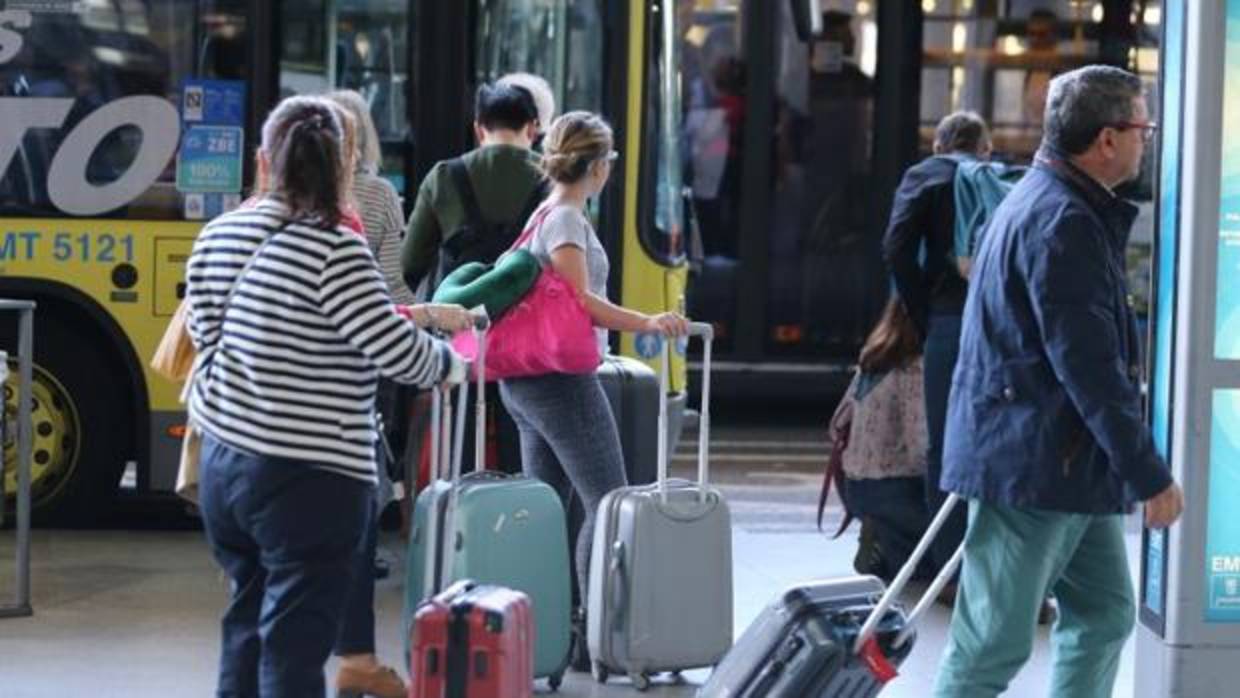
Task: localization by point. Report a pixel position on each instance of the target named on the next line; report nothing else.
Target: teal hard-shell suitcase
(509, 531)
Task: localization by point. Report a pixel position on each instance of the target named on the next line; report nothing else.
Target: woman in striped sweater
(293, 326)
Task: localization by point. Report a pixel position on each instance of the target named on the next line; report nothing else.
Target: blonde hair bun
(575, 141)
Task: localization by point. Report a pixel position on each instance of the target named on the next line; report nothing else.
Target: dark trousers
(288, 536)
(942, 348)
(357, 624)
(896, 509)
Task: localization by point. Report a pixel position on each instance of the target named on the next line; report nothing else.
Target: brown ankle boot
(379, 681)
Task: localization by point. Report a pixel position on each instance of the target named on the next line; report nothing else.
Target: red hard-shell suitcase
(473, 642)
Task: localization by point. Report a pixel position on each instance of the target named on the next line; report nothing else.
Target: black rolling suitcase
(840, 638)
(632, 388)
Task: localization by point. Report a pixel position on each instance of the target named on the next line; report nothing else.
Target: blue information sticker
(213, 102)
(210, 159)
(649, 344)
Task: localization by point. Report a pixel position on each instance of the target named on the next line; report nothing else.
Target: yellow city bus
(124, 125)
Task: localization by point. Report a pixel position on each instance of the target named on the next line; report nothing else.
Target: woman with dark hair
(882, 421)
(293, 326)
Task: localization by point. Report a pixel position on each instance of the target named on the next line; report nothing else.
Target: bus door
(779, 136)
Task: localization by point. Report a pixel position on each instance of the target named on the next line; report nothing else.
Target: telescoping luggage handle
(906, 573)
(707, 332)
(447, 445)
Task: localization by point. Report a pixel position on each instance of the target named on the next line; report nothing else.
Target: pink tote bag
(548, 331)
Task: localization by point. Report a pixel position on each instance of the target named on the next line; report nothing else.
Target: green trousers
(1012, 559)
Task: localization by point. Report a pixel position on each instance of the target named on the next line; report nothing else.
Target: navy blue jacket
(1045, 409)
(920, 238)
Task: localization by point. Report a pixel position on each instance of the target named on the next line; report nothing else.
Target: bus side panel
(135, 272)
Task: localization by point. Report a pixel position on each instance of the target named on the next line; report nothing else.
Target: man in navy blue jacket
(1045, 436)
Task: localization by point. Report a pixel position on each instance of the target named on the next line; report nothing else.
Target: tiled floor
(133, 614)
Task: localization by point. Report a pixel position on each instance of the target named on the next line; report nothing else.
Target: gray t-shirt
(568, 225)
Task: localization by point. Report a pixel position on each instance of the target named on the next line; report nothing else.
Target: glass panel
(91, 145)
(713, 86)
(998, 61)
(664, 239)
(539, 37)
(360, 45)
(827, 281)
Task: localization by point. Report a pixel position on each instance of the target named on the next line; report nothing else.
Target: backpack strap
(539, 193)
(459, 173)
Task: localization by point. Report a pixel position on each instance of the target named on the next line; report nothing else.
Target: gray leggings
(568, 439)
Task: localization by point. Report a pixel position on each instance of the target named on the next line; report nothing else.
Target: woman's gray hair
(540, 90)
(1081, 103)
(367, 141)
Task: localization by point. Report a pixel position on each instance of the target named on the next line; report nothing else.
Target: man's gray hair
(962, 132)
(1081, 103)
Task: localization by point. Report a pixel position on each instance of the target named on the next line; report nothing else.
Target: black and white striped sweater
(290, 369)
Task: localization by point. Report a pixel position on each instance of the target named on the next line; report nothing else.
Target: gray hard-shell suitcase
(632, 390)
(660, 596)
(841, 637)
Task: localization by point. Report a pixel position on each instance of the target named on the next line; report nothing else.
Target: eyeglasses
(1147, 127)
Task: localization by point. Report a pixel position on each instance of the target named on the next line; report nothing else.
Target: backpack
(978, 188)
(478, 240)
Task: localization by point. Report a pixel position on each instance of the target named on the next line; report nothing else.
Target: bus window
(91, 69)
(713, 90)
(560, 41)
(826, 279)
(360, 45)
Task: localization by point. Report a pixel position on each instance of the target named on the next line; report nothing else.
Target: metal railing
(25, 351)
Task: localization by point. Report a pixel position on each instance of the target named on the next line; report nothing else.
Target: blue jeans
(357, 624)
(939, 362)
(1012, 559)
(288, 536)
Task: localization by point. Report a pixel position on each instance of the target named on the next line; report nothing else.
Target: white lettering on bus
(67, 185)
(10, 40)
(1223, 563)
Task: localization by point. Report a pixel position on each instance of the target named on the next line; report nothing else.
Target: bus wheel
(79, 417)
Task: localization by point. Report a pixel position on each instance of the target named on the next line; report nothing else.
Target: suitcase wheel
(640, 681)
(677, 677)
(600, 672)
(555, 680)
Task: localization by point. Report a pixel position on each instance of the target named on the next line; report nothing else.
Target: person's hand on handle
(668, 324)
(447, 317)
(1164, 508)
